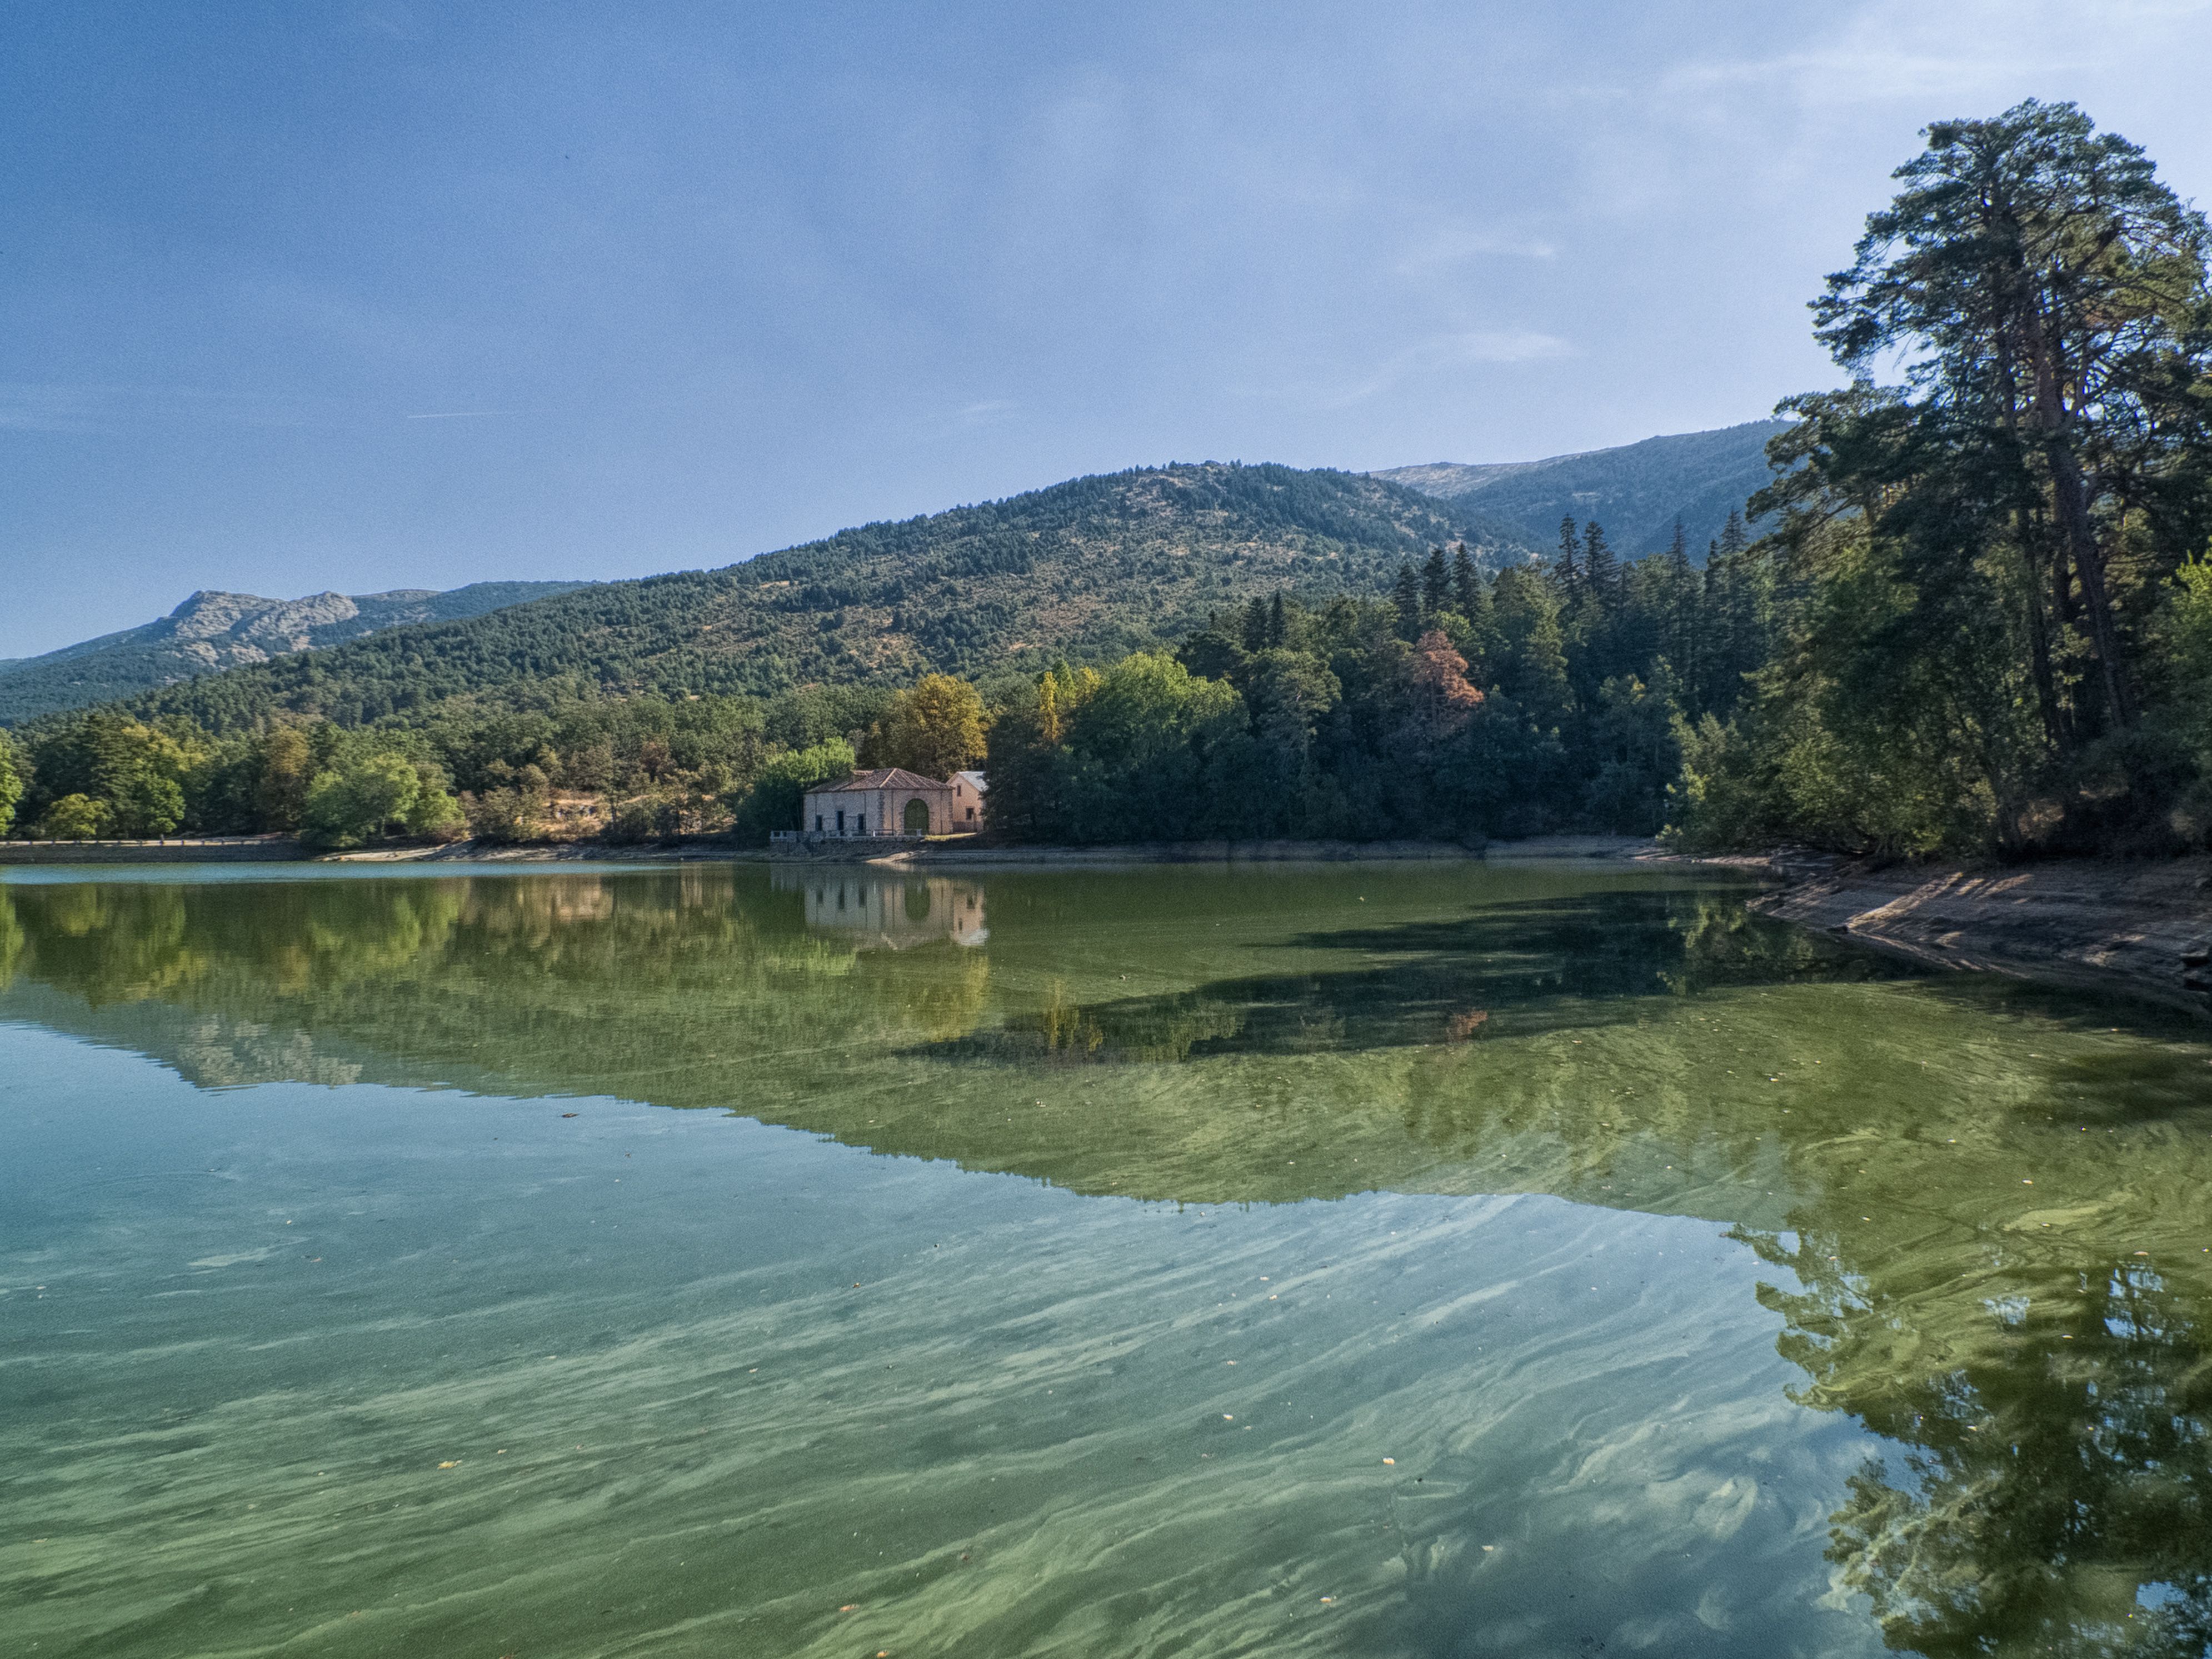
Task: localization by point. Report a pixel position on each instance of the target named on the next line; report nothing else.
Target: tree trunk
(2046, 685)
(2072, 504)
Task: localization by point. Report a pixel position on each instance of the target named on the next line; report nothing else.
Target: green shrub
(75, 818)
(364, 799)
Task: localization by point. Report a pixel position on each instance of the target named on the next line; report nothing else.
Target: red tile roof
(887, 777)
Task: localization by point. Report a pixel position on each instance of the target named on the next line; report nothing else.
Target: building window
(841, 820)
(817, 823)
(861, 823)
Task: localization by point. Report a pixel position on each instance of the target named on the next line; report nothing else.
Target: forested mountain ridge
(212, 631)
(1638, 491)
(1088, 571)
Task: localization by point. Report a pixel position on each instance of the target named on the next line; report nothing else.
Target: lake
(1407, 1260)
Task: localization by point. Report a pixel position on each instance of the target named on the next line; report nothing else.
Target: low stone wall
(259, 849)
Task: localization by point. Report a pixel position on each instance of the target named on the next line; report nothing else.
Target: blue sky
(303, 296)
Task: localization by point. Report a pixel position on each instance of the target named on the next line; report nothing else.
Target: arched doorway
(917, 817)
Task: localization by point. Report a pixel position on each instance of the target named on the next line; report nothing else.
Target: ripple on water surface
(1400, 1262)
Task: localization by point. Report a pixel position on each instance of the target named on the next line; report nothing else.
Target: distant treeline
(1457, 707)
(625, 769)
(1457, 704)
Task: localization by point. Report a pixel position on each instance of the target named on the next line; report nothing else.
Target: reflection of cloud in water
(889, 912)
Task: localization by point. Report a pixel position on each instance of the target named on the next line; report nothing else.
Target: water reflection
(2051, 1409)
(888, 912)
(1513, 969)
(1987, 1208)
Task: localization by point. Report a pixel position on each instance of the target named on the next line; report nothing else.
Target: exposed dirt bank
(2142, 929)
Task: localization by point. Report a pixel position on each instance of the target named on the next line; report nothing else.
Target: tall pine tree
(1436, 584)
(1601, 570)
(1255, 624)
(1406, 594)
(1565, 575)
(1467, 591)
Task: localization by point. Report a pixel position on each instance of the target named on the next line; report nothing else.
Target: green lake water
(1413, 1261)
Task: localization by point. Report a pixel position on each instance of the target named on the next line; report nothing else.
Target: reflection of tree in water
(1168, 1027)
(2051, 1496)
(1506, 970)
(573, 982)
(11, 939)
(2046, 1387)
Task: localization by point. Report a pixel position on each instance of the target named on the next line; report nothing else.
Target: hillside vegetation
(1639, 491)
(212, 631)
(1088, 570)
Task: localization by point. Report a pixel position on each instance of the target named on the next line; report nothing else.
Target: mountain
(1089, 569)
(1636, 491)
(212, 631)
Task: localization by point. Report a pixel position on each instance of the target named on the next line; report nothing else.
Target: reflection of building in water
(889, 912)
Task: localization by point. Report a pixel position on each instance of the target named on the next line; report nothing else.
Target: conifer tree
(1601, 570)
(1479, 646)
(1279, 625)
(1255, 631)
(1468, 592)
(1532, 664)
(1750, 623)
(1436, 584)
(1733, 539)
(1680, 624)
(1406, 594)
(2040, 283)
(1713, 638)
(1565, 575)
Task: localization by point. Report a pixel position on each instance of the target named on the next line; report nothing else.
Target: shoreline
(2138, 927)
(959, 853)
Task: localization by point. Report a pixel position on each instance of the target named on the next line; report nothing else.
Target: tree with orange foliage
(1441, 689)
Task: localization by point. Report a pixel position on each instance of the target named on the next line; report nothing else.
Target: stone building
(968, 792)
(888, 801)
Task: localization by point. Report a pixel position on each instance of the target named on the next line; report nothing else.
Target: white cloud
(1891, 50)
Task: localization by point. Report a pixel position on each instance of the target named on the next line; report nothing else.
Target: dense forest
(212, 631)
(1451, 702)
(1455, 706)
(1979, 620)
(1090, 569)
